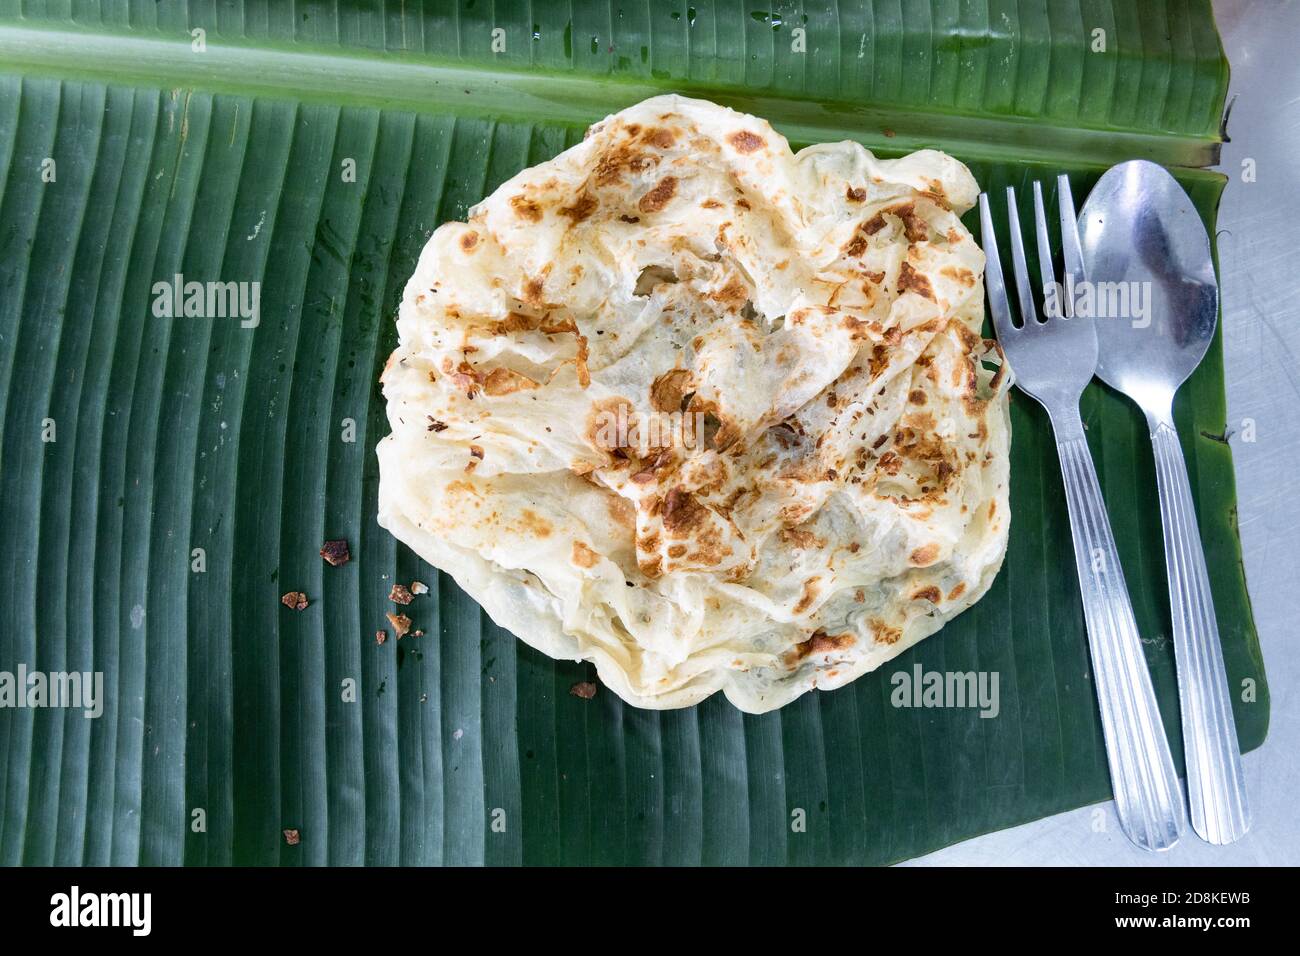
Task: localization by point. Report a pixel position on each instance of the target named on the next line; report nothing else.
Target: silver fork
(1053, 361)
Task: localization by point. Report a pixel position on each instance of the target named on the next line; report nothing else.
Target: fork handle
(1216, 784)
(1147, 798)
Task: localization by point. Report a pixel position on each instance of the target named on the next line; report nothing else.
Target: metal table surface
(1260, 288)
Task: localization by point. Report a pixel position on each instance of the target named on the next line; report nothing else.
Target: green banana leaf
(133, 149)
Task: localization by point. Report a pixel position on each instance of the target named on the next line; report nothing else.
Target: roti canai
(708, 413)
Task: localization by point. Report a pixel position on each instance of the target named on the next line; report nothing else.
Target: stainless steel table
(1259, 249)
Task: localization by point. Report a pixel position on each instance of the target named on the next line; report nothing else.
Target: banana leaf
(163, 481)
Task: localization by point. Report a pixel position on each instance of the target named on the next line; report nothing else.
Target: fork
(1053, 360)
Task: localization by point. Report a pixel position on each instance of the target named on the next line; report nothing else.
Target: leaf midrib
(400, 81)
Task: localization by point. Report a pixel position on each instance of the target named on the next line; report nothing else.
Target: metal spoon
(1139, 228)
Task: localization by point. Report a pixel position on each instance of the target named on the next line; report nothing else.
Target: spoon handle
(1147, 797)
(1216, 784)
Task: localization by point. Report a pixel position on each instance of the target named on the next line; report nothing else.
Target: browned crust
(883, 633)
(682, 514)
(819, 642)
(526, 208)
(924, 556)
(581, 209)
(743, 141)
(811, 588)
(504, 381)
(583, 556)
(914, 225)
(668, 390)
(657, 198)
(909, 280)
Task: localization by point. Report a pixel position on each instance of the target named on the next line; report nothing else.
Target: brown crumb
(292, 837)
(380, 637)
(294, 599)
(400, 594)
(401, 624)
(336, 552)
(584, 688)
(435, 425)
(419, 587)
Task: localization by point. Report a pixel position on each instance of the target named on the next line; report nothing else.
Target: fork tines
(1057, 300)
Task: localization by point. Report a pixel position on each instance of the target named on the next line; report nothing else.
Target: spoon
(1140, 230)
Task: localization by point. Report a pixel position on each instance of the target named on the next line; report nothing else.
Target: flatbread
(709, 414)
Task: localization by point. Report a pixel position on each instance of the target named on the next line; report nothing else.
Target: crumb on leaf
(292, 837)
(336, 552)
(294, 599)
(401, 624)
(584, 688)
(380, 637)
(400, 594)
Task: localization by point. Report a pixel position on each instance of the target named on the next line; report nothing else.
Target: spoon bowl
(1156, 301)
